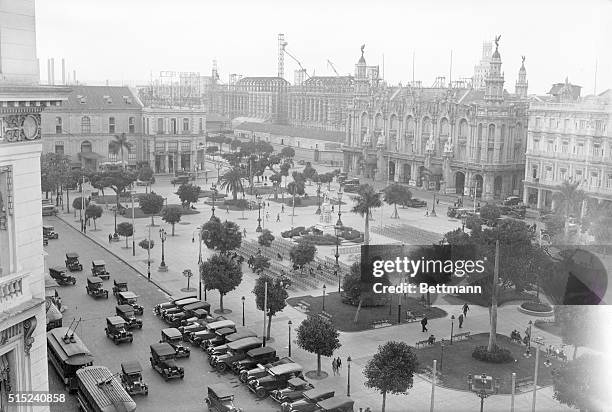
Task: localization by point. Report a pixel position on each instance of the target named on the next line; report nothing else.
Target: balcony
(14, 290)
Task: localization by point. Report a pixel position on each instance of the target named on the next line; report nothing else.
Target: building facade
(85, 127)
(174, 138)
(456, 140)
(569, 139)
(23, 344)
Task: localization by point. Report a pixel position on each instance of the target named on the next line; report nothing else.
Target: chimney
(63, 71)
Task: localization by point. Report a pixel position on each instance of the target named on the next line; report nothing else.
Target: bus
(67, 353)
(100, 391)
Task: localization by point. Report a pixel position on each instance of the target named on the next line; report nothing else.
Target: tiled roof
(101, 98)
(283, 130)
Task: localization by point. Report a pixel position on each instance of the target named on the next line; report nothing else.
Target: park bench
(303, 306)
(524, 384)
(325, 316)
(461, 336)
(413, 317)
(381, 323)
(422, 343)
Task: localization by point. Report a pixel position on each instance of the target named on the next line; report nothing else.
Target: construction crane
(330, 64)
(284, 45)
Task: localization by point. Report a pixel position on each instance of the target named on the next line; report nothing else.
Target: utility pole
(133, 227)
(265, 311)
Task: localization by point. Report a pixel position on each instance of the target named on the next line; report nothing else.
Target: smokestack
(63, 71)
(74, 77)
(48, 71)
(52, 71)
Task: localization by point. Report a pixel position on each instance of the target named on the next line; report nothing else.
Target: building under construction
(176, 89)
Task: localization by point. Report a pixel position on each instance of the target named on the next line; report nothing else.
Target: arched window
(85, 124)
(425, 134)
(86, 147)
(490, 142)
(443, 135)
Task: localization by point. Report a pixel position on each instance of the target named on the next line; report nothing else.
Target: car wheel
(166, 378)
(73, 282)
(221, 366)
(131, 340)
(116, 341)
(261, 393)
(147, 392)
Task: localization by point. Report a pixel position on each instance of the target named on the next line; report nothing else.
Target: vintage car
(221, 349)
(235, 351)
(174, 338)
(197, 338)
(221, 399)
(414, 202)
(260, 370)
(190, 311)
(220, 337)
(254, 357)
(72, 262)
(127, 313)
(162, 360)
(338, 403)
(130, 298)
(192, 327)
(276, 378)
(308, 401)
(116, 330)
(61, 277)
(131, 378)
(512, 201)
(294, 390)
(49, 210)
(178, 307)
(49, 232)
(180, 180)
(119, 286)
(197, 315)
(98, 268)
(160, 307)
(95, 289)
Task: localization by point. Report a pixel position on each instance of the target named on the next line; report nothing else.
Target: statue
(381, 141)
(523, 57)
(497, 41)
(430, 146)
(448, 146)
(362, 49)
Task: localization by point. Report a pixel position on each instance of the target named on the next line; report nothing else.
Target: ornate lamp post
(162, 265)
(441, 353)
(538, 341)
(323, 297)
(199, 230)
(483, 386)
(348, 382)
(339, 222)
(243, 299)
(213, 188)
(258, 197)
(451, 339)
(318, 212)
(115, 210)
(433, 206)
(218, 172)
(289, 323)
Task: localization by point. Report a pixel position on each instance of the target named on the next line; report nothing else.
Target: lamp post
(188, 274)
(433, 206)
(115, 210)
(258, 197)
(318, 212)
(200, 234)
(483, 386)
(162, 265)
(339, 222)
(528, 332)
(289, 323)
(441, 353)
(323, 297)
(451, 338)
(348, 382)
(243, 299)
(213, 188)
(133, 225)
(538, 341)
(149, 257)
(218, 172)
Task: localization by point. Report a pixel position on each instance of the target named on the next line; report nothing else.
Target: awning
(90, 156)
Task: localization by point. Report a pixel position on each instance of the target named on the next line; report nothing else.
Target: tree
(69, 181)
(474, 223)
(302, 253)
(188, 194)
(118, 181)
(93, 212)
(367, 199)
(266, 238)
(326, 178)
(151, 204)
(145, 174)
(397, 194)
(309, 172)
(126, 230)
(79, 204)
(120, 143)
(351, 283)
(147, 245)
(277, 297)
(235, 144)
(582, 383)
(391, 369)
(260, 263)
(287, 153)
(221, 237)
(319, 336)
(53, 167)
(172, 216)
(490, 213)
(276, 178)
(222, 273)
(575, 324)
(569, 199)
(231, 181)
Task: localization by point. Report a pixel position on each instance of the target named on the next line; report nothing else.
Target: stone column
(540, 199)
(526, 194)
(414, 173)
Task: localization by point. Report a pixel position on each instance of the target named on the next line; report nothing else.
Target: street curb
(103, 246)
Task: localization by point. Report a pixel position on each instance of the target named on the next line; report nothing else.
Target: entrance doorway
(459, 183)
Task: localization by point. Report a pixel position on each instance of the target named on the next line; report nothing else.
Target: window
(550, 146)
(6, 220)
(59, 148)
(580, 149)
(597, 150)
(185, 146)
(578, 175)
(565, 146)
(173, 126)
(594, 179)
(112, 156)
(609, 181)
(111, 125)
(185, 126)
(132, 150)
(85, 124)
(160, 125)
(86, 147)
(147, 130)
(132, 125)
(583, 124)
(566, 124)
(534, 171)
(536, 144)
(58, 125)
(201, 125)
(548, 174)
(538, 122)
(173, 146)
(160, 147)
(563, 174)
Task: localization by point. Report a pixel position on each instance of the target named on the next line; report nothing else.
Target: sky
(128, 41)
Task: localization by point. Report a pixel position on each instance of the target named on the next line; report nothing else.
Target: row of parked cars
(239, 350)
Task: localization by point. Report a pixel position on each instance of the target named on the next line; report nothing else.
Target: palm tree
(232, 181)
(367, 199)
(119, 144)
(570, 198)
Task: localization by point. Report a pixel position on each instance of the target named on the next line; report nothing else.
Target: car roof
(261, 351)
(119, 282)
(196, 305)
(286, 368)
(48, 227)
(98, 262)
(318, 393)
(115, 320)
(172, 333)
(244, 343)
(128, 294)
(221, 324)
(297, 382)
(222, 390)
(185, 301)
(131, 367)
(225, 331)
(94, 279)
(125, 308)
(163, 349)
(72, 255)
(336, 402)
(58, 268)
(245, 333)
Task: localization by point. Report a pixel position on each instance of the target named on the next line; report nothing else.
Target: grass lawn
(138, 213)
(343, 314)
(458, 363)
(222, 207)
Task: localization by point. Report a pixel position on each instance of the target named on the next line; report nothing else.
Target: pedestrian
(244, 232)
(110, 238)
(424, 324)
(283, 208)
(461, 321)
(427, 212)
(465, 310)
(437, 201)
(227, 210)
(278, 217)
(332, 208)
(334, 367)
(339, 362)
(268, 216)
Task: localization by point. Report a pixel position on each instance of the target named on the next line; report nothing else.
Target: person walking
(424, 324)
(278, 217)
(283, 208)
(110, 238)
(339, 363)
(227, 210)
(465, 310)
(244, 232)
(334, 366)
(461, 321)
(427, 212)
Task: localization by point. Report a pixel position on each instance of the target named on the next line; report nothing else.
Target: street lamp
(149, 256)
(289, 323)
(451, 339)
(339, 222)
(433, 206)
(318, 212)
(258, 197)
(348, 382)
(243, 299)
(162, 265)
(324, 297)
(213, 188)
(115, 210)
(483, 386)
(218, 172)
(441, 353)
(538, 341)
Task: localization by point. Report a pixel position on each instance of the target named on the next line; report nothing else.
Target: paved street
(181, 253)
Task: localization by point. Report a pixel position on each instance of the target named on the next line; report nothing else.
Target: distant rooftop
(101, 98)
(290, 131)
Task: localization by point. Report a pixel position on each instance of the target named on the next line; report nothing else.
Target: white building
(23, 346)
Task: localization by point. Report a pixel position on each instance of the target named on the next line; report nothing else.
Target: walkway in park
(181, 253)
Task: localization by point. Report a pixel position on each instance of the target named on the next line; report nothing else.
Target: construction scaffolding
(176, 89)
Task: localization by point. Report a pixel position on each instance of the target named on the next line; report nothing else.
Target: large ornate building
(457, 140)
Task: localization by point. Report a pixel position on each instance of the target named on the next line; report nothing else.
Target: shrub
(295, 232)
(320, 240)
(536, 306)
(473, 223)
(289, 201)
(238, 203)
(497, 355)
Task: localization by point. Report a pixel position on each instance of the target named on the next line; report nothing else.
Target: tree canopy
(397, 194)
(266, 238)
(277, 296)
(260, 263)
(221, 237)
(118, 181)
(287, 152)
(126, 230)
(231, 181)
(318, 336)
(93, 212)
(222, 273)
(490, 213)
(151, 204)
(172, 216)
(302, 253)
(188, 194)
(367, 199)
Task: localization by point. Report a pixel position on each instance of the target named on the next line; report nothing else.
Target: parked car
(98, 268)
(162, 360)
(49, 210)
(512, 201)
(192, 327)
(350, 188)
(127, 313)
(131, 378)
(308, 402)
(95, 289)
(294, 390)
(276, 378)
(72, 262)
(116, 330)
(261, 370)
(174, 338)
(338, 403)
(416, 203)
(130, 298)
(219, 338)
(352, 182)
(161, 308)
(180, 180)
(221, 349)
(221, 399)
(198, 337)
(263, 355)
(49, 232)
(58, 273)
(119, 286)
(235, 351)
